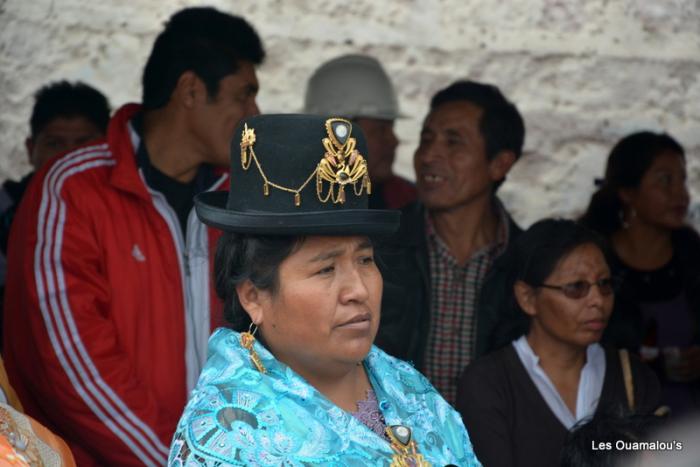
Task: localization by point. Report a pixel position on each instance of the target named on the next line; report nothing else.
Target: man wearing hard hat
(357, 87)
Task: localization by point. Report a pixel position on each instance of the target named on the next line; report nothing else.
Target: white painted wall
(583, 72)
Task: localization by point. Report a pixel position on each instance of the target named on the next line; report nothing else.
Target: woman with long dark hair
(641, 207)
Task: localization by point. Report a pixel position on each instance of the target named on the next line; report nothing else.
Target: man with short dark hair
(64, 117)
(110, 311)
(435, 265)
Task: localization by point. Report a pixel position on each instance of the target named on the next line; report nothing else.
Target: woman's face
(574, 321)
(325, 313)
(661, 199)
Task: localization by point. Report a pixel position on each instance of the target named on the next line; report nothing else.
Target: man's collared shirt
(453, 298)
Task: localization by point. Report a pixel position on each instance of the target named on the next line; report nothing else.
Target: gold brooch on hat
(340, 165)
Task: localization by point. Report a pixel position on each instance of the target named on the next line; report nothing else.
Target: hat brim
(211, 209)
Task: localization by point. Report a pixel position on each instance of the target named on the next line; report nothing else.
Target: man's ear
(252, 300)
(29, 145)
(525, 296)
(188, 89)
(500, 165)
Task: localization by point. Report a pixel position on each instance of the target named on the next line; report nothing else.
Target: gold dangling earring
(247, 341)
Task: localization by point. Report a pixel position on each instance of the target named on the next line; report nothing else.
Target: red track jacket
(107, 308)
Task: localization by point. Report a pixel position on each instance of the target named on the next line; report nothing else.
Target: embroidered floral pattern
(238, 416)
(370, 415)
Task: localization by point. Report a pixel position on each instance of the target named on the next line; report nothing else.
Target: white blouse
(589, 387)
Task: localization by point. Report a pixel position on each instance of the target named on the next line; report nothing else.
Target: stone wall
(584, 73)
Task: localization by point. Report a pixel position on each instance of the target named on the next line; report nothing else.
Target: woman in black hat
(300, 383)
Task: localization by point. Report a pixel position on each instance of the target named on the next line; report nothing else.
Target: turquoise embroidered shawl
(238, 416)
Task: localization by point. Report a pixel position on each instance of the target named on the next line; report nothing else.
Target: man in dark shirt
(435, 265)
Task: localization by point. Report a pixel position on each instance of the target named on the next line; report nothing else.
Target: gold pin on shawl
(405, 450)
(340, 165)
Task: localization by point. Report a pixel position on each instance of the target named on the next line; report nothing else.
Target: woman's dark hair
(536, 253)
(257, 258)
(627, 163)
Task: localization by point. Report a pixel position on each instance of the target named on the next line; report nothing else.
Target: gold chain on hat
(340, 165)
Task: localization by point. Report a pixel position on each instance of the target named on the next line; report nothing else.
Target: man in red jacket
(108, 307)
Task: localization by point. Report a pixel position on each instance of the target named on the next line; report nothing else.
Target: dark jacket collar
(412, 229)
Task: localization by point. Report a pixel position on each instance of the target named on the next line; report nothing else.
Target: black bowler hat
(297, 175)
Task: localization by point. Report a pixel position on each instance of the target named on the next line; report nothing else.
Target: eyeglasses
(580, 289)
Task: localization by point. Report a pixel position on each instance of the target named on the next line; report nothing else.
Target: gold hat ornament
(340, 165)
(278, 159)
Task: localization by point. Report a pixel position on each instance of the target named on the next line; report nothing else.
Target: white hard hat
(351, 86)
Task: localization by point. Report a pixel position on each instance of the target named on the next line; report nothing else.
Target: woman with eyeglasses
(520, 401)
(641, 207)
